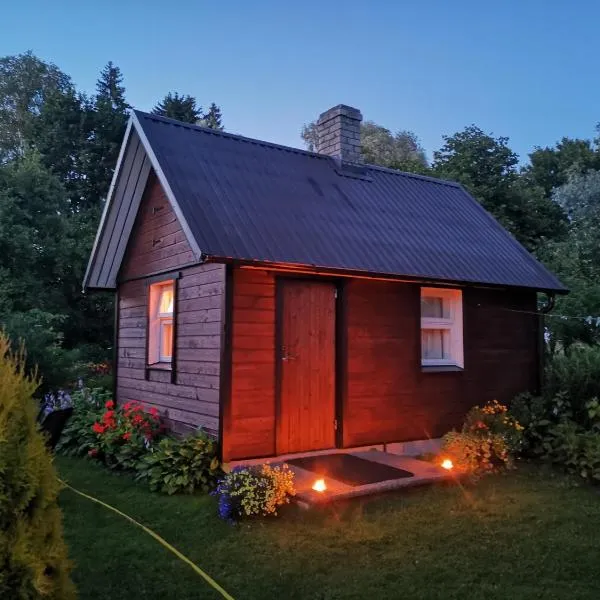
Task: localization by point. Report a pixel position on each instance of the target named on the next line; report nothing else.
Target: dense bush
(182, 465)
(488, 441)
(576, 375)
(254, 491)
(551, 433)
(33, 556)
(124, 434)
(78, 437)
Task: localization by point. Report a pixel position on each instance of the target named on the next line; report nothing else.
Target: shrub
(575, 375)
(477, 453)
(124, 434)
(182, 465)
(78, 437)
(552, 434)
(254, 491)
(489, 439)
(33, 555)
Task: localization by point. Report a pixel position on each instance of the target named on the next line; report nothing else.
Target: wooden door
(306, 355)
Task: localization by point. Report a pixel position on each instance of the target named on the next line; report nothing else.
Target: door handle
(288, 357)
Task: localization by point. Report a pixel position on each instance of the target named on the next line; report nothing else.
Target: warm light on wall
(319, 485)
(447, 464)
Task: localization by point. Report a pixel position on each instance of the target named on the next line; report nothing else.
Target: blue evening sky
(526, 69)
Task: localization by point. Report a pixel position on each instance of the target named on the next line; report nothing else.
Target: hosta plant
(182, 465)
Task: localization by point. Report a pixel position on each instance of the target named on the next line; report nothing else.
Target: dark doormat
(349, 469)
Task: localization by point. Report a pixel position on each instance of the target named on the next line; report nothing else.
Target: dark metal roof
(252, 200)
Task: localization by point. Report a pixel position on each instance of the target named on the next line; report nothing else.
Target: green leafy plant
(182, 465)
(124, 434)
(477, 453)
(254, 491)
(576, 376)
(489, 440)
(33, 555)
(78, 438)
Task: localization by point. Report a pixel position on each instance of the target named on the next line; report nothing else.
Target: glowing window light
(319, 485)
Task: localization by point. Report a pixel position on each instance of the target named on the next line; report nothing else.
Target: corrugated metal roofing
(252, 200)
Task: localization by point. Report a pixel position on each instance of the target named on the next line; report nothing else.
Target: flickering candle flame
(447, 464)
(319, 485)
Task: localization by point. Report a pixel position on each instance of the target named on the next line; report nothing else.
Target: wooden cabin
(289, 301)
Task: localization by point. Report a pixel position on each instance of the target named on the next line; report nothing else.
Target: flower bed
(254, 491)
(132, 439)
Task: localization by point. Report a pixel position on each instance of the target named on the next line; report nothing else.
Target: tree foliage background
(59, 147)
(58, 150)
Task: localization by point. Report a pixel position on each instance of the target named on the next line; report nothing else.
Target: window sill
(441, 369)
(164, 366)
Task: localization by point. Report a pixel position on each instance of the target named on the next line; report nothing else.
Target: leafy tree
(397, 151)
(212, 118)
(310, 134)
(576, 260)
(182, 108)
(33, 205)
(25, 83)
(33, 554)
(379, 146)
(487, 167)
(551, 167)
(60, 134)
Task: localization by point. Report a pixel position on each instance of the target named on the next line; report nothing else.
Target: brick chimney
(338, 131)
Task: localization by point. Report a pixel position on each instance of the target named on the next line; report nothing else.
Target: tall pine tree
(182, 108)
(108, 119)
(213, 118)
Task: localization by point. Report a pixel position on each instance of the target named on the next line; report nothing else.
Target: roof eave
(300, 268)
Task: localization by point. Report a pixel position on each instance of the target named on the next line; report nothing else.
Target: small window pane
(166, 301)
(166, 340)
(435, 344)
(433, 307)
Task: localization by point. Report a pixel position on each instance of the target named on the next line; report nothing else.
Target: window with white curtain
(441, 327)
(160, 334)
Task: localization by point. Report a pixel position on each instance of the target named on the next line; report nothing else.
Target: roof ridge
(242, 138)
(226, 134)
(413, 175)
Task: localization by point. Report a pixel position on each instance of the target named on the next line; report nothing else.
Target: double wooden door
(306, 354)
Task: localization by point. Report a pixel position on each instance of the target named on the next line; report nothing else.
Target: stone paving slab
(424, 473)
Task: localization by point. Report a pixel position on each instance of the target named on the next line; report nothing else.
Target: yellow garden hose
(159, 539)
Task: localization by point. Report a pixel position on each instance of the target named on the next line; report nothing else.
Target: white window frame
(157, 321)
(453, 324)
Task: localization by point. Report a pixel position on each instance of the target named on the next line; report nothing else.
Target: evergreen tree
(182, 108)
(213, 118)
(33, 555)
(108, 116)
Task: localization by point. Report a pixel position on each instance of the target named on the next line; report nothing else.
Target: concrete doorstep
(423, 473)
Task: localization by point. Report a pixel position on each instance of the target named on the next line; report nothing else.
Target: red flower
(154, 411)
(98, 428)
(109, 404)
(127, 436)
(93, 452)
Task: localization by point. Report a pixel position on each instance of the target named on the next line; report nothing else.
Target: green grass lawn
(528, 534)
